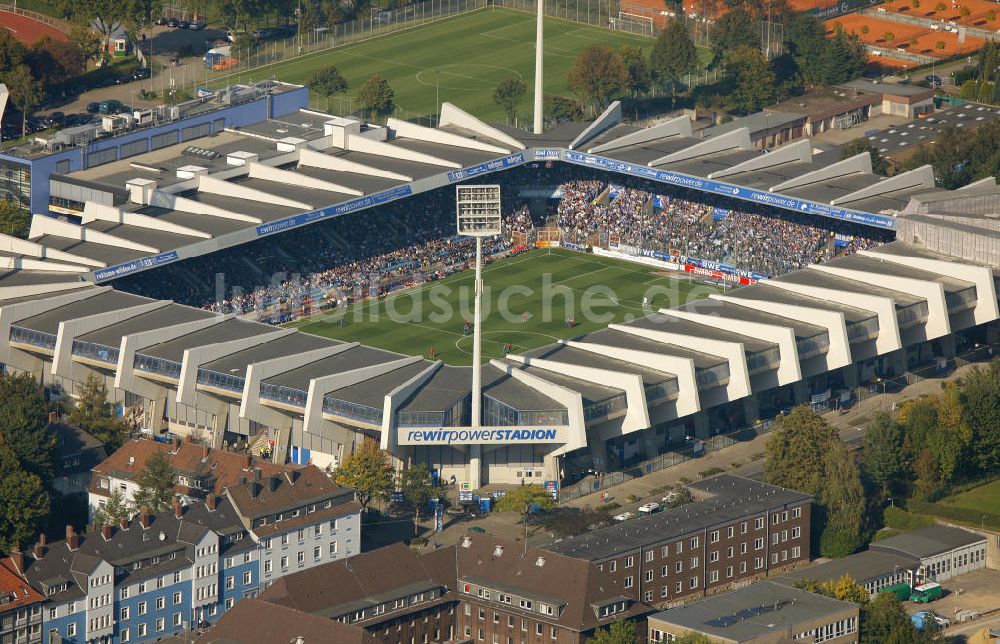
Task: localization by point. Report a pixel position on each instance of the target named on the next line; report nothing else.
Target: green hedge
(973, 518)
(900, 519)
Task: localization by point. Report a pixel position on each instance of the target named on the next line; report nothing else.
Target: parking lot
(977, 591)
(900, 138)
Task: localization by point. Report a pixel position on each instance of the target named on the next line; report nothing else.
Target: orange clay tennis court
(979, 11)
(713, 9)
(911, 38)
(27, 30)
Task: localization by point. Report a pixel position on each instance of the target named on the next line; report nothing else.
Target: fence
(55, 23)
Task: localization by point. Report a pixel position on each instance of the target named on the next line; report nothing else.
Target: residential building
(77, 452)
(942, 552)
(511, 593)
(393, 594)
(483, 589)
(198, 469)
(169, 573)
(762, 613)
(872, 569)
(262, 622)
(20, 604)
(735, 531)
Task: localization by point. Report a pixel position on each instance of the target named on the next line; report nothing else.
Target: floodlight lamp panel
(478, 210)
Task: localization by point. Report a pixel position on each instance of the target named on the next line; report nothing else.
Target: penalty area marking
(428, 75)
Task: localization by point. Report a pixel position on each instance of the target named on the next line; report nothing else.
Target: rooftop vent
(466, 542)
(498, 551)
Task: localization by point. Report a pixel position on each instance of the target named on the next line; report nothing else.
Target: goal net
(633, 23)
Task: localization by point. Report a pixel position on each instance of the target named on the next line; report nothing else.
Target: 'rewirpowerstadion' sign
(482, 435)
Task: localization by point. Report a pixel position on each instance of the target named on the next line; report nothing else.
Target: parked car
(141, 72)
(196, 25)
(624, 516)
(934, 79)
(112, 106)
(926, 593)
(160, 21)
(172, 23)
(183, 24)
(93, 107)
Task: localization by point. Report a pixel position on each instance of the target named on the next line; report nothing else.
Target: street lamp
(478, 215)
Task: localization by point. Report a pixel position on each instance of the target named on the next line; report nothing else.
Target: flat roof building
(941, 551)
(762, 613)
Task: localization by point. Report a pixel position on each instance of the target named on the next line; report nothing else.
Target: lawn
(985, 498)
(549, 285)
(463, 57)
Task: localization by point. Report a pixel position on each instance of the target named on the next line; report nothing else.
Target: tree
(24, 424)
(104, 16)
(12, 51)
(805, 37)
(561, 109)
(327, 81)
(24, 503)
(885, 620)
(376, 96)
(597, 76)
(94, 414)
(115, 510)
(939, 45)
(54, 61)
(881, 452)
(14, 220)
(844, 589)
(805, 453)
(637, 68)
(88, 42)
(508, 95)
(156, 484)
(979, 392)
(965, 12)
(523, 499)
(617, 632)
(754, 79)
(733, 30)
(939, 7)
(25, 93)
(865, 29)
(844, 58)
(888, 37)
(860, 145)
(369, 471)
(417, 487)
(673, 55)
(991, 15)
(915, 4)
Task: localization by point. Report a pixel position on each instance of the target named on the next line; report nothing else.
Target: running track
(27, 30)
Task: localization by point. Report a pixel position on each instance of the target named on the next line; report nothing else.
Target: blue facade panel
(61, 626)
(235, 116)
(145, 611)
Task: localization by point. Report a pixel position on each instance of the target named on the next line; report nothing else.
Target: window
(649, 555)
(124, 592)
(796, 513)
(713, 537)
(758, 523)
(317, 553)
(267, 566)
(758, 543)
(628, 581)
(126, 636)
(743, 567)
(247, 577)
(71, 630)
(649, 575)
(141, 608)
(230, 583)
(729, 532)
(758, 563)
(177, 599)
(284, 562)
(694, 542)
(628, 562)
(124, 613)
(775, 518)
(713, 556)
(679, 566)
(678, 547)
(743, 548)
(796, 532)
(729, 572)
(663, 571)
(664, 591)
(694, 562)
(647, 596)
(333, 548)
(693, 582)
(160, 625)
(613, 566)
(538, 629)
(318, 530)
(796, 552)
(713, 576)
(679, 587)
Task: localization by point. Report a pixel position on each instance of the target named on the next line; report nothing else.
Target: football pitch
(462, 58)
(528, 300)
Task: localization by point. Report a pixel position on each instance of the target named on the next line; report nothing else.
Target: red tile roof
(14, 586)
(224, 469)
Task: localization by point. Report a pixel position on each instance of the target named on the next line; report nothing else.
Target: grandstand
(162, 221)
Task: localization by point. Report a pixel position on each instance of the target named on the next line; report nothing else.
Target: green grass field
(466, 56)
(985, 498)
(434, 314)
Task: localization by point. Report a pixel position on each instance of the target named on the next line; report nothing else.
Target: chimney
(123, 523)
(177, 444)
(72, 538)
(41, 539)
(256, 474)
(205, 451)
(178, 511)
(272, 482)
(106, 532)
(144, 517)
(39, 551)
(247, 460)
(53, 417)
(17, 558)
(210, 502)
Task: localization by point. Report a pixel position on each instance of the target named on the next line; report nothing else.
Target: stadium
(257, 287)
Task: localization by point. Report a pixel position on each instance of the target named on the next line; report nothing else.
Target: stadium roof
(233, 187)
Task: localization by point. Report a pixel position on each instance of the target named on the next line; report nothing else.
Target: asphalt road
(901, 138)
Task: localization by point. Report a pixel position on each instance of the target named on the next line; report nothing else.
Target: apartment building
(20, 604)
(737, 530)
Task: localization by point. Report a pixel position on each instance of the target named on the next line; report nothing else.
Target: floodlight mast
(539, 32)
(478, 215)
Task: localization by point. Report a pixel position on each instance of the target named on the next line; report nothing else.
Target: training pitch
(528, 299)
(463, 58)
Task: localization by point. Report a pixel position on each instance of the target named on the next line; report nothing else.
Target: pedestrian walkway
(748, 455)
